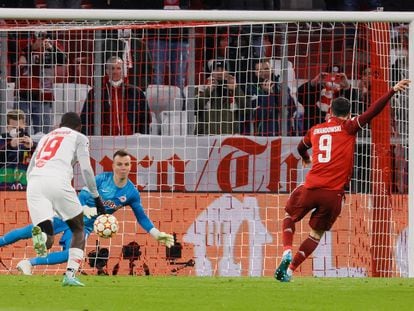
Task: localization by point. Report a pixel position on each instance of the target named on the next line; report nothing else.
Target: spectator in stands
(16, 149)
(317, 94)
(220, 103)
(37, 64)
(267, 92)
(123, 107)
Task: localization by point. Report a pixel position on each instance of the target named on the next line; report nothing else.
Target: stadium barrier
(224, 234)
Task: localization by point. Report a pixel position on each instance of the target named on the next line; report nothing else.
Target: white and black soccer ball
(105, 226)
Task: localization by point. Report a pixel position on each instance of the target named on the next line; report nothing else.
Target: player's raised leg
(305, 250)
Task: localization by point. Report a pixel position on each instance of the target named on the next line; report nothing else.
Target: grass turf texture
(205, 293)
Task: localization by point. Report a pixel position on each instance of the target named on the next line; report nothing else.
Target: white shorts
(48, 196)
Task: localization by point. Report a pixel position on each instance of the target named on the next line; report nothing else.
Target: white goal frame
(251, 16)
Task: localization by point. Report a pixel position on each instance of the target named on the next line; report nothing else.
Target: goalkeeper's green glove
(89, 212)
(162, 237)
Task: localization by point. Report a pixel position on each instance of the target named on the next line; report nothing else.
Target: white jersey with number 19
(57, 152)
(50, 173)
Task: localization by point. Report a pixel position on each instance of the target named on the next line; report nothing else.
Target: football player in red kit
(332, 144)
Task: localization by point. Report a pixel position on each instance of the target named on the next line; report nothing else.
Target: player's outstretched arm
(380, 103)
(136, 205)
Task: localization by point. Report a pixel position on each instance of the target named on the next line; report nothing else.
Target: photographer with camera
(16, 149)
(38, 63)
(221, 103)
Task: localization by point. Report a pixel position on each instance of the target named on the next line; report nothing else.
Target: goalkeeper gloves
(162, 237)
(89, 212)
(100, 207)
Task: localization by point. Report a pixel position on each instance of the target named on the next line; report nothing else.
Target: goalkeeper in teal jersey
(116, 191)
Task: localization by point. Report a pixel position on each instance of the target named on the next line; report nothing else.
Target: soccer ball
(105, 226)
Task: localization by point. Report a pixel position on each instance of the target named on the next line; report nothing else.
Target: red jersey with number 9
(333, 144)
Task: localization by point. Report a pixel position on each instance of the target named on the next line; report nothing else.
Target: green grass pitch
(205, 293)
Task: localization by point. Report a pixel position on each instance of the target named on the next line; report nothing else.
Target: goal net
(211, 113)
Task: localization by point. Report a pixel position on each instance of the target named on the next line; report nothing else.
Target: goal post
(410, 163)
(221, 185)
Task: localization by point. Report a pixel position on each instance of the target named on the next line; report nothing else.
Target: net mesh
(215, 164)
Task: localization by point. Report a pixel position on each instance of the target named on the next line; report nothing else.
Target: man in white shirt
(50, 192)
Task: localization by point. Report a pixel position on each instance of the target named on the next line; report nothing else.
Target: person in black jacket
(124, 108)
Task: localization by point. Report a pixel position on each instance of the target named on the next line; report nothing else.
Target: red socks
(306, 248)
(288, 231)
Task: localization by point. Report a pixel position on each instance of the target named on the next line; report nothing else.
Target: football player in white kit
(50, 191)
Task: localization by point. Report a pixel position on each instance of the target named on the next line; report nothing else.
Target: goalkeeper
(116, 191)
